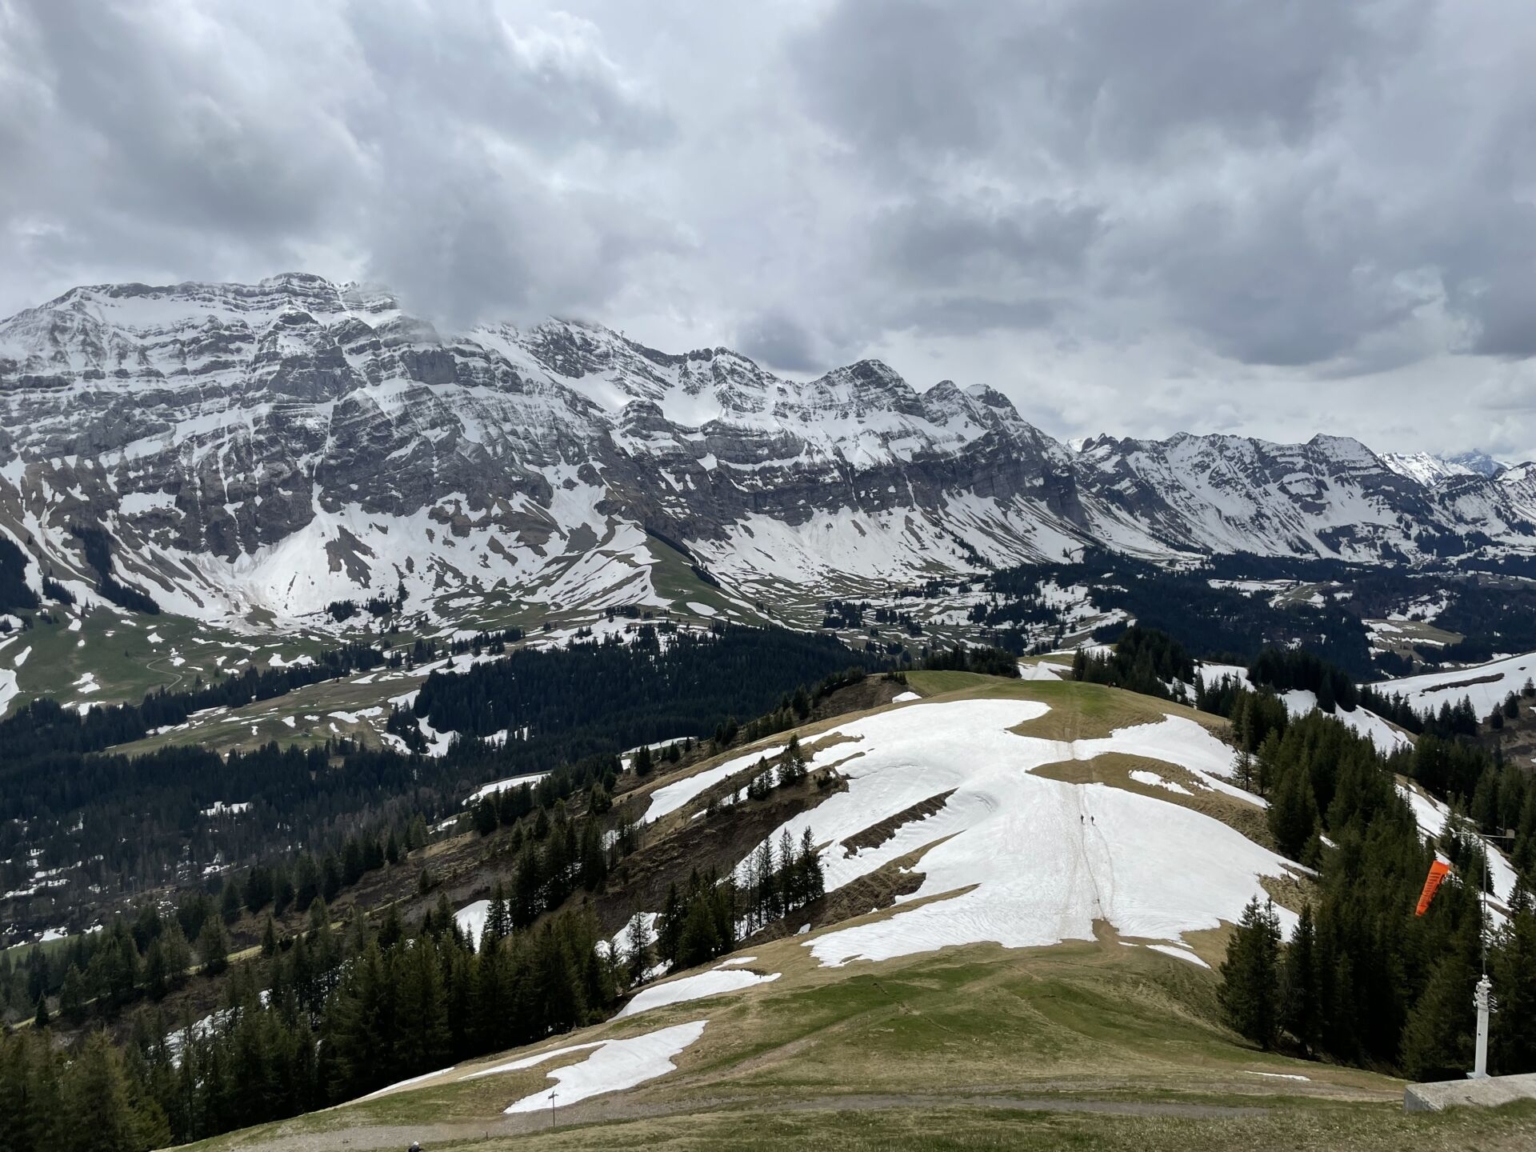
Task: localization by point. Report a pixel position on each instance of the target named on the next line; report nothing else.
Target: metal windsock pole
(1481, 998)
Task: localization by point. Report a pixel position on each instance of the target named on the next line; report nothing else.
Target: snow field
(1498, 679)
(1042, 859)
(1363, 721)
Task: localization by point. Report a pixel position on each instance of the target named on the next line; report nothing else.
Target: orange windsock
(1437, 873)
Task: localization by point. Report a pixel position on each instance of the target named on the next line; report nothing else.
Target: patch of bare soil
(877, 834)
(879, 889)
(871, 692)
(717, 842)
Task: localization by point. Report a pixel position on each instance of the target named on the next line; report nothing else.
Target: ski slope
(1015, 857)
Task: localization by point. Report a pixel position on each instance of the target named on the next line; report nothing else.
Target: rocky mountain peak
(285, 444)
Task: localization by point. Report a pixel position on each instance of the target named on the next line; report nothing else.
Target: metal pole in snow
(551, 1111)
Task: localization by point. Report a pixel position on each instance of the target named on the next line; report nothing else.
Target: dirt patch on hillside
(717, 842)
(878, 890)
(871, 692)
(877, 834)
(1291, 890)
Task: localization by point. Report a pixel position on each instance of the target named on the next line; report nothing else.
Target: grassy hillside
(1086, 1043)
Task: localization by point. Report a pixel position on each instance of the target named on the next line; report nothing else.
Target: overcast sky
(1273, 217)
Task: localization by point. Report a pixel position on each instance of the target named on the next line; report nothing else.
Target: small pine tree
(72, 997)
(813, 882)
(213, 946)
(639, 958)
(1249, 975)
(487, 819)
(643, 763)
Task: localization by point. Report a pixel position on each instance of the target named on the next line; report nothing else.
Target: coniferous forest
(112, 824)
(1363, 979)
(335, 1008)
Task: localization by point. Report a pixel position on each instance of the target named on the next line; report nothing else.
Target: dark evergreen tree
(1250, 975)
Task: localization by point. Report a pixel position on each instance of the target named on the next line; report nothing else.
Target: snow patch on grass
(715, 982)
(1181, 953)
(502, 786)
(1153, 780)
(613, 1067)
(668, 799)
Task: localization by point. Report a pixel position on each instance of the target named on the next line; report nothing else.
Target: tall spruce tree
(1300, 984)
(1249, 975)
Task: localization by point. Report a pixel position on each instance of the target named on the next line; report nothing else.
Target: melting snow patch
(1044, 670)
(1017, 858)
(503, 785)
(1181, 953)
(701, 609)
(1280, 1076)
(407, 1083)
(665, 801)
(1153, 780)
(613, 1067)
(21, 657)
(716, 982)
(533, 1061)
(357, 717)
(903, 697)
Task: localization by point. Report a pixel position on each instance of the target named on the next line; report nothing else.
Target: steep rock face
(282, 444)
(1329, 496)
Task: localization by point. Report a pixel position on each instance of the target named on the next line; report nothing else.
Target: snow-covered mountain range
(282, 445)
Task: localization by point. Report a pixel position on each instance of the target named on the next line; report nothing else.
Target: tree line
(1363, 979)
(123, 823)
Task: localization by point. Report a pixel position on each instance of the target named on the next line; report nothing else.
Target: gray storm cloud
(1128, 216)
